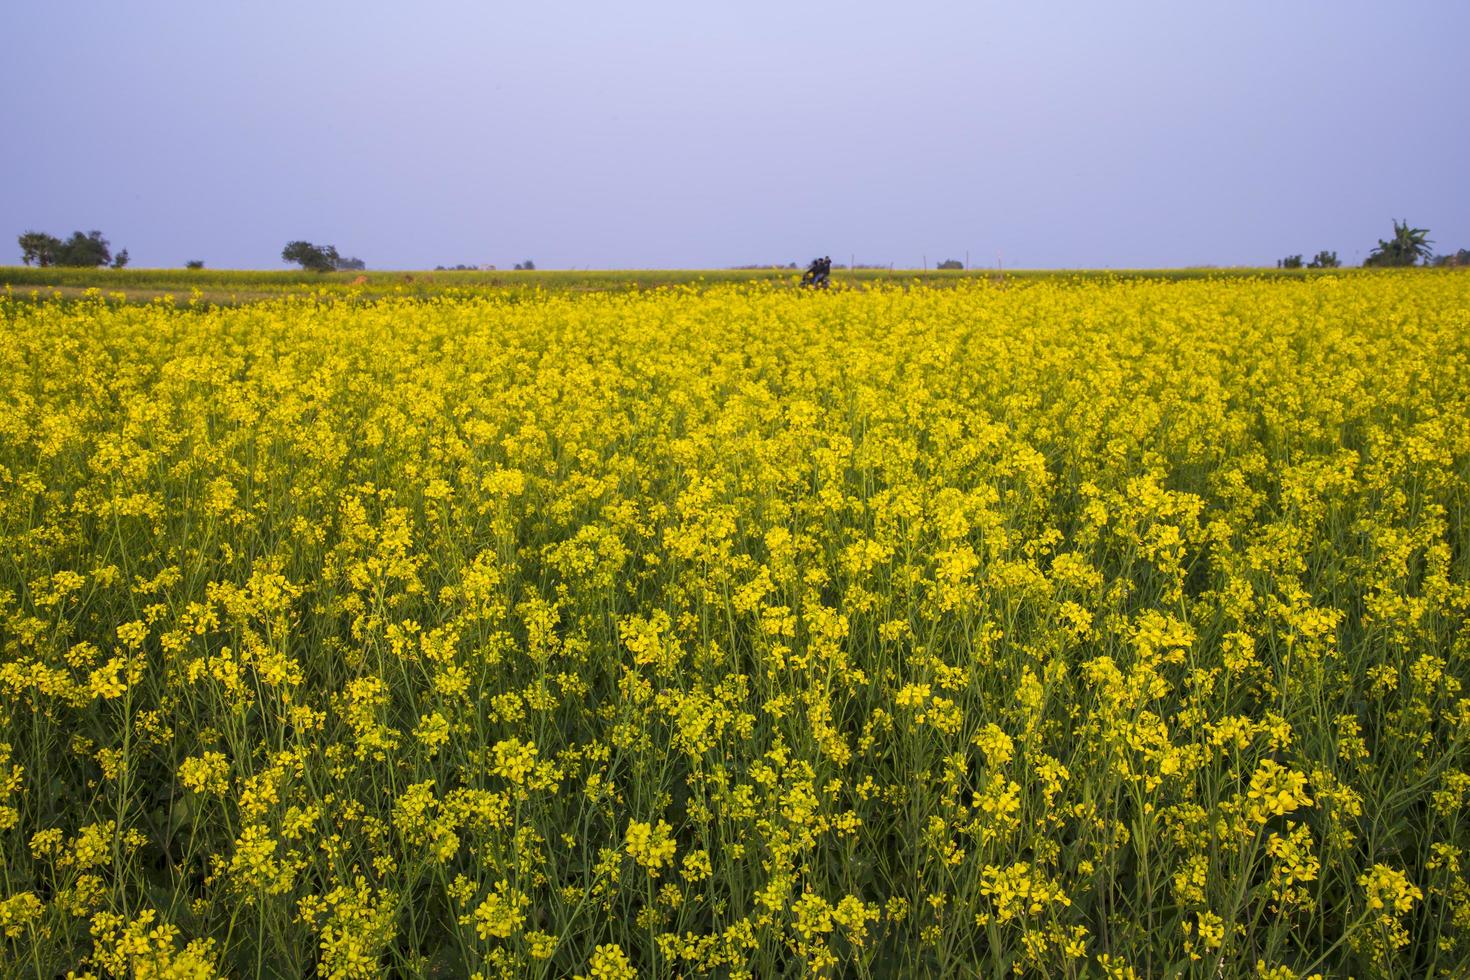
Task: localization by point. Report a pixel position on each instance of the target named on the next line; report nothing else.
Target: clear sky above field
(695, 134)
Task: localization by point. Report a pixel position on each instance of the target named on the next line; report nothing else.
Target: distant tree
(1324, 260)
(313, 258)
(194, 264)
(526, 266)
(87, 250)
(353, 264)
(1290, 262)
(950, 264)
(38, 247)
(1460, 258)
(120, 259)
(1407, 247)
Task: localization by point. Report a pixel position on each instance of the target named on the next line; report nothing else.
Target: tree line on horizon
(319, 258)
(80, 250)
(1408, 247)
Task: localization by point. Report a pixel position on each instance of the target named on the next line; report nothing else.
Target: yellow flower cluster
(651, 847)
(1054, 626)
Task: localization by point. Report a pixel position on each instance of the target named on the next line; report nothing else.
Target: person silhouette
(813, 270)
(819, 273)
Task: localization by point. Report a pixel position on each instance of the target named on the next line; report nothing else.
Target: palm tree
(1407, 247)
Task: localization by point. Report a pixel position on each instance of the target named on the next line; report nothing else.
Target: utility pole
(967, 260)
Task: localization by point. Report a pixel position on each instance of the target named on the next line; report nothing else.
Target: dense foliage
(1069, 628)
(313, 258)
(85, 251)
(1408, 246)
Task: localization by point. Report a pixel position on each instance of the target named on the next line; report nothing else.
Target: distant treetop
(1407, 247)
(90, 249)
(317, 258)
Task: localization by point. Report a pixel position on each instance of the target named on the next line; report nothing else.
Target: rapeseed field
(1061, 628)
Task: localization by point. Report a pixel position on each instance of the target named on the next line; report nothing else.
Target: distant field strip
(233, 287)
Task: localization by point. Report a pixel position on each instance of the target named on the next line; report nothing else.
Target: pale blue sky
(713, 134)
